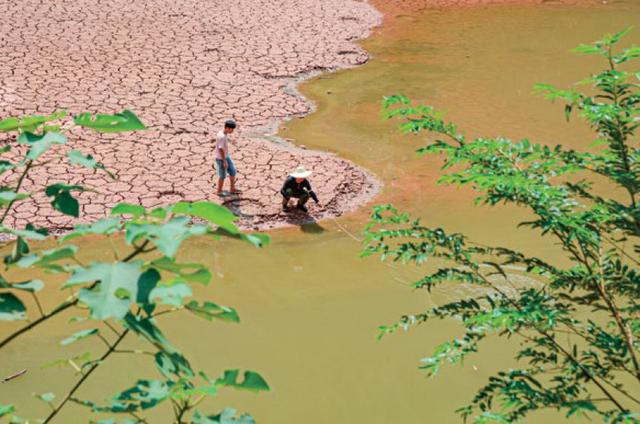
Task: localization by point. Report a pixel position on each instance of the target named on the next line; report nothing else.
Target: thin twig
(35, 297)
(18, 185)
(85, 376)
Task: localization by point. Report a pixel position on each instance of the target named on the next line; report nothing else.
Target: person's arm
(283, 190)
(307, 186)
(313, 196)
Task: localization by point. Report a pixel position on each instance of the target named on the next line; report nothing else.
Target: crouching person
(297, 186)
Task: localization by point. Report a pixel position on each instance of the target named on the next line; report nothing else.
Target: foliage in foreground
(577, 327)
(123, 293)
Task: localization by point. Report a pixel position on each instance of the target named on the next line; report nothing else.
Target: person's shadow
(312, 228)
(306, 222)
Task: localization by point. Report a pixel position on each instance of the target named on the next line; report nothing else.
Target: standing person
(224, 164)
(297, 185)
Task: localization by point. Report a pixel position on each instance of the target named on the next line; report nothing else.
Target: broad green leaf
(191, 272)
(83, 334)
(128, 209)
(20, 249)
(147, 328)
(212, 212)
(29, 123)
(7, 196)
(11, 308)
(252, 381)
(173, 365)
(148, 393)
(30, 286)
(120, 122)
(227, 416)
(48, 259)
(77, 158)
(105, 300)
(63, 201)
(210, 311)
(144, 395)
(104, 226)
(146, 283)
(171, 294)
(6, 165)
(167, 237)
(6, 409)
(40, 144)
(29, 233)
(219, 216)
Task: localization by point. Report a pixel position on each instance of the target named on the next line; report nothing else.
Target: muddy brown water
(309, 305)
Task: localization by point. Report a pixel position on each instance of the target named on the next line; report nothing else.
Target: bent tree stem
(18, 185)
(86, 375)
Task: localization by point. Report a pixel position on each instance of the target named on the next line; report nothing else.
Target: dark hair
(230, 124)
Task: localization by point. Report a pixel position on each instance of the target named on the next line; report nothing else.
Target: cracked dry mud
(183, 67)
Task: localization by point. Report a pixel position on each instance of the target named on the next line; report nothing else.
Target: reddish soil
(395, 8)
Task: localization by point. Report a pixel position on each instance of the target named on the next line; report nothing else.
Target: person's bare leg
(220, 184)
(232, 181)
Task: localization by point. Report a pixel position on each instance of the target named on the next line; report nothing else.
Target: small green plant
(577, 327)
(125, 292)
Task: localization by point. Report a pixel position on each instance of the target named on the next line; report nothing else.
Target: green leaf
(167, 237)
(220, 217)
(104, 226)
(63, 201)
(47, 397)
(227, 416)
(147, 328)
(29, 123)
(75, 362)
(83, 334)
(5, 166)
(8, 196)
(173, 364)
(588, 49)
(28, 233)
(105, 300)
(120, 122)
(20, 249)
(77, 158)
(146, 283)
(30, 286)
(171, 294)
(252, 381)
(128, 209)
(191, 272)
(210, 311)
(40, 144)
(11, 308)
(6, 410)
(48, 258)
(212, 212)
(144, 395)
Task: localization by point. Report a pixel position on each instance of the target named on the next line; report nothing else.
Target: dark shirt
(297, 189)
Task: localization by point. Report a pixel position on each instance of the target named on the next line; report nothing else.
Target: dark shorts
(222, 173)
(288, 193)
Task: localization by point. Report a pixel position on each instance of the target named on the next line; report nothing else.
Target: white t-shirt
(222, 142)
